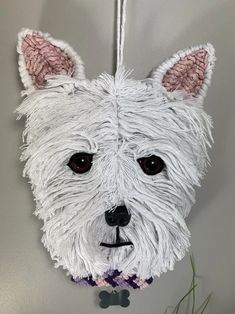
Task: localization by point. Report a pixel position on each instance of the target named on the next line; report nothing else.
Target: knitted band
(114, 278)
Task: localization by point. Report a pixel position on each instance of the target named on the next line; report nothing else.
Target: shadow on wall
(76, 24)
(70, 21)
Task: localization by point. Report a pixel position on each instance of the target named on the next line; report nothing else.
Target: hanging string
(121, 21)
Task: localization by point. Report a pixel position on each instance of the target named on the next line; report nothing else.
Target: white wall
(156, 29)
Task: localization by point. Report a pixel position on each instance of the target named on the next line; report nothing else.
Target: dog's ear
(41, 55)
(188, 72)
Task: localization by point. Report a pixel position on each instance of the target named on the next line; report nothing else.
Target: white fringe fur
(118, 119)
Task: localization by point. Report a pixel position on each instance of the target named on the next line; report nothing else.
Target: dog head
(113, 161)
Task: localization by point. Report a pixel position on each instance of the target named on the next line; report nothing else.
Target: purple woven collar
(114, 278)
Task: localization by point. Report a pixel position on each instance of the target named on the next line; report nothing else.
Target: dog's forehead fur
(113, 109)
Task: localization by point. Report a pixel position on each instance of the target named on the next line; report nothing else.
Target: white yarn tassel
(121, 21)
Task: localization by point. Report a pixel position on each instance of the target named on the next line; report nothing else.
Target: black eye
(151, 165)
(80, 162)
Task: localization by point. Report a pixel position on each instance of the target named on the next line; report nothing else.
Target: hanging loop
(121, 21)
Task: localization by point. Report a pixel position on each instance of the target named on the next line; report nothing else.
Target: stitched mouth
(118, 242)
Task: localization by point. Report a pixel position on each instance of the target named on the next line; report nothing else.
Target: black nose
(119, 217)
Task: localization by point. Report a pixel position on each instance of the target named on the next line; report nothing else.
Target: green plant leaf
(205, 303)
(192, 291)
(193, 283)
(177, 308)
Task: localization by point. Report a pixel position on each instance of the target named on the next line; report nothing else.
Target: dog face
(113, 161)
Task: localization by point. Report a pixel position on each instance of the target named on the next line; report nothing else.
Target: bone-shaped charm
(114, 298)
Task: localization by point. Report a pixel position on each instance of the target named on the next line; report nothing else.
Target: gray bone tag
(114, 298)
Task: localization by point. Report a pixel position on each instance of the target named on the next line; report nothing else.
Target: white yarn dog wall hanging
(113, 161)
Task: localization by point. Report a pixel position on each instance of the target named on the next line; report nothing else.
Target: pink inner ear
(188, 73)
(43, 58)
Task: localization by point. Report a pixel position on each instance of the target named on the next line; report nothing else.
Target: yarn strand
(121, 21)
